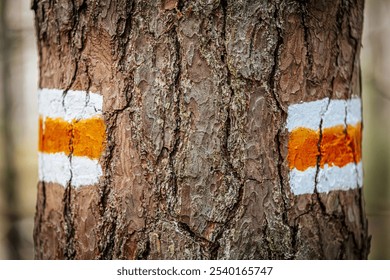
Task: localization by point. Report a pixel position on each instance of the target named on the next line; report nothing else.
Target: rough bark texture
(195, 105)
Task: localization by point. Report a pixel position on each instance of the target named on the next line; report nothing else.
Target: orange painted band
(79, 138)
(339, 146)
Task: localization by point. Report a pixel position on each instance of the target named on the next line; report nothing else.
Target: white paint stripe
(307, 114)
(339, 178)
(58, 168)
(354, 111)
(85, 171)
(302, 182)
(74, 104)
(335, 112)
(54, 168)
(329, 178)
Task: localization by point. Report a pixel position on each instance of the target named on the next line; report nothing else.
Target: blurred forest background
(19, 126)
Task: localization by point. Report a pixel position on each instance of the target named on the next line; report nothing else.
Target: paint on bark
(196, 97)
(324, 146)
(71, 137)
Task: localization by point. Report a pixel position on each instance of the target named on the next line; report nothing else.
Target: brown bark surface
(195, 104)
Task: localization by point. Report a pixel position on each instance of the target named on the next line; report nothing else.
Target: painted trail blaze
(71, 137)
(324, 148)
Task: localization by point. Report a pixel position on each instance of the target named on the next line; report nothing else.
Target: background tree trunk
(8, 176)
(195, 103)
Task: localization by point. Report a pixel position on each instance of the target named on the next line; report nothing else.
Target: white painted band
(72, 105)
(329, 178)
(347, 177)
(54, 168)
(332, 113)
(61, 169)
(307, 114)
(302, 182)
(354, 111)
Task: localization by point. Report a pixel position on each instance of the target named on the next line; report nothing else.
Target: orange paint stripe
(339, 146)
(54, 136)
(81, 138)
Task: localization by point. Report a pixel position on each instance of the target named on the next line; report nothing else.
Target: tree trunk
(192, 141)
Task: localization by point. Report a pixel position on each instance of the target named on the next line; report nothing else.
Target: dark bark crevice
(107, 226)
(282, 115)
(226, 153)
(283, 192)
(267, 240)
(228, 122)
(108, 237)
(108, 213)
(145, 253)
(294, 240)
(177, 92)
(180, 5)
(124, 38)
(306, 36)
(196, 237)
(69, 227)
(276, 59)
(319, 156)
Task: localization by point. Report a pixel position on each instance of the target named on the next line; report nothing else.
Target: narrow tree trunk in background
(196, 98)
(8, 178)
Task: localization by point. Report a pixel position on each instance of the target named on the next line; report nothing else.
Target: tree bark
(196, 98)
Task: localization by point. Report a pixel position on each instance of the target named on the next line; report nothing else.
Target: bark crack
(214, 248)
(272, 76)
(281, 179)
(108, 215)
(268, 242)
(69, 250)
(194, 236)
(283, 113)
(76, 51)
(294, 240)
(306, 35)
(229, 75)
(144, 254)
(319, 157)
(109, 233)
(177, 113)
(108, 223)
(125, 35)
